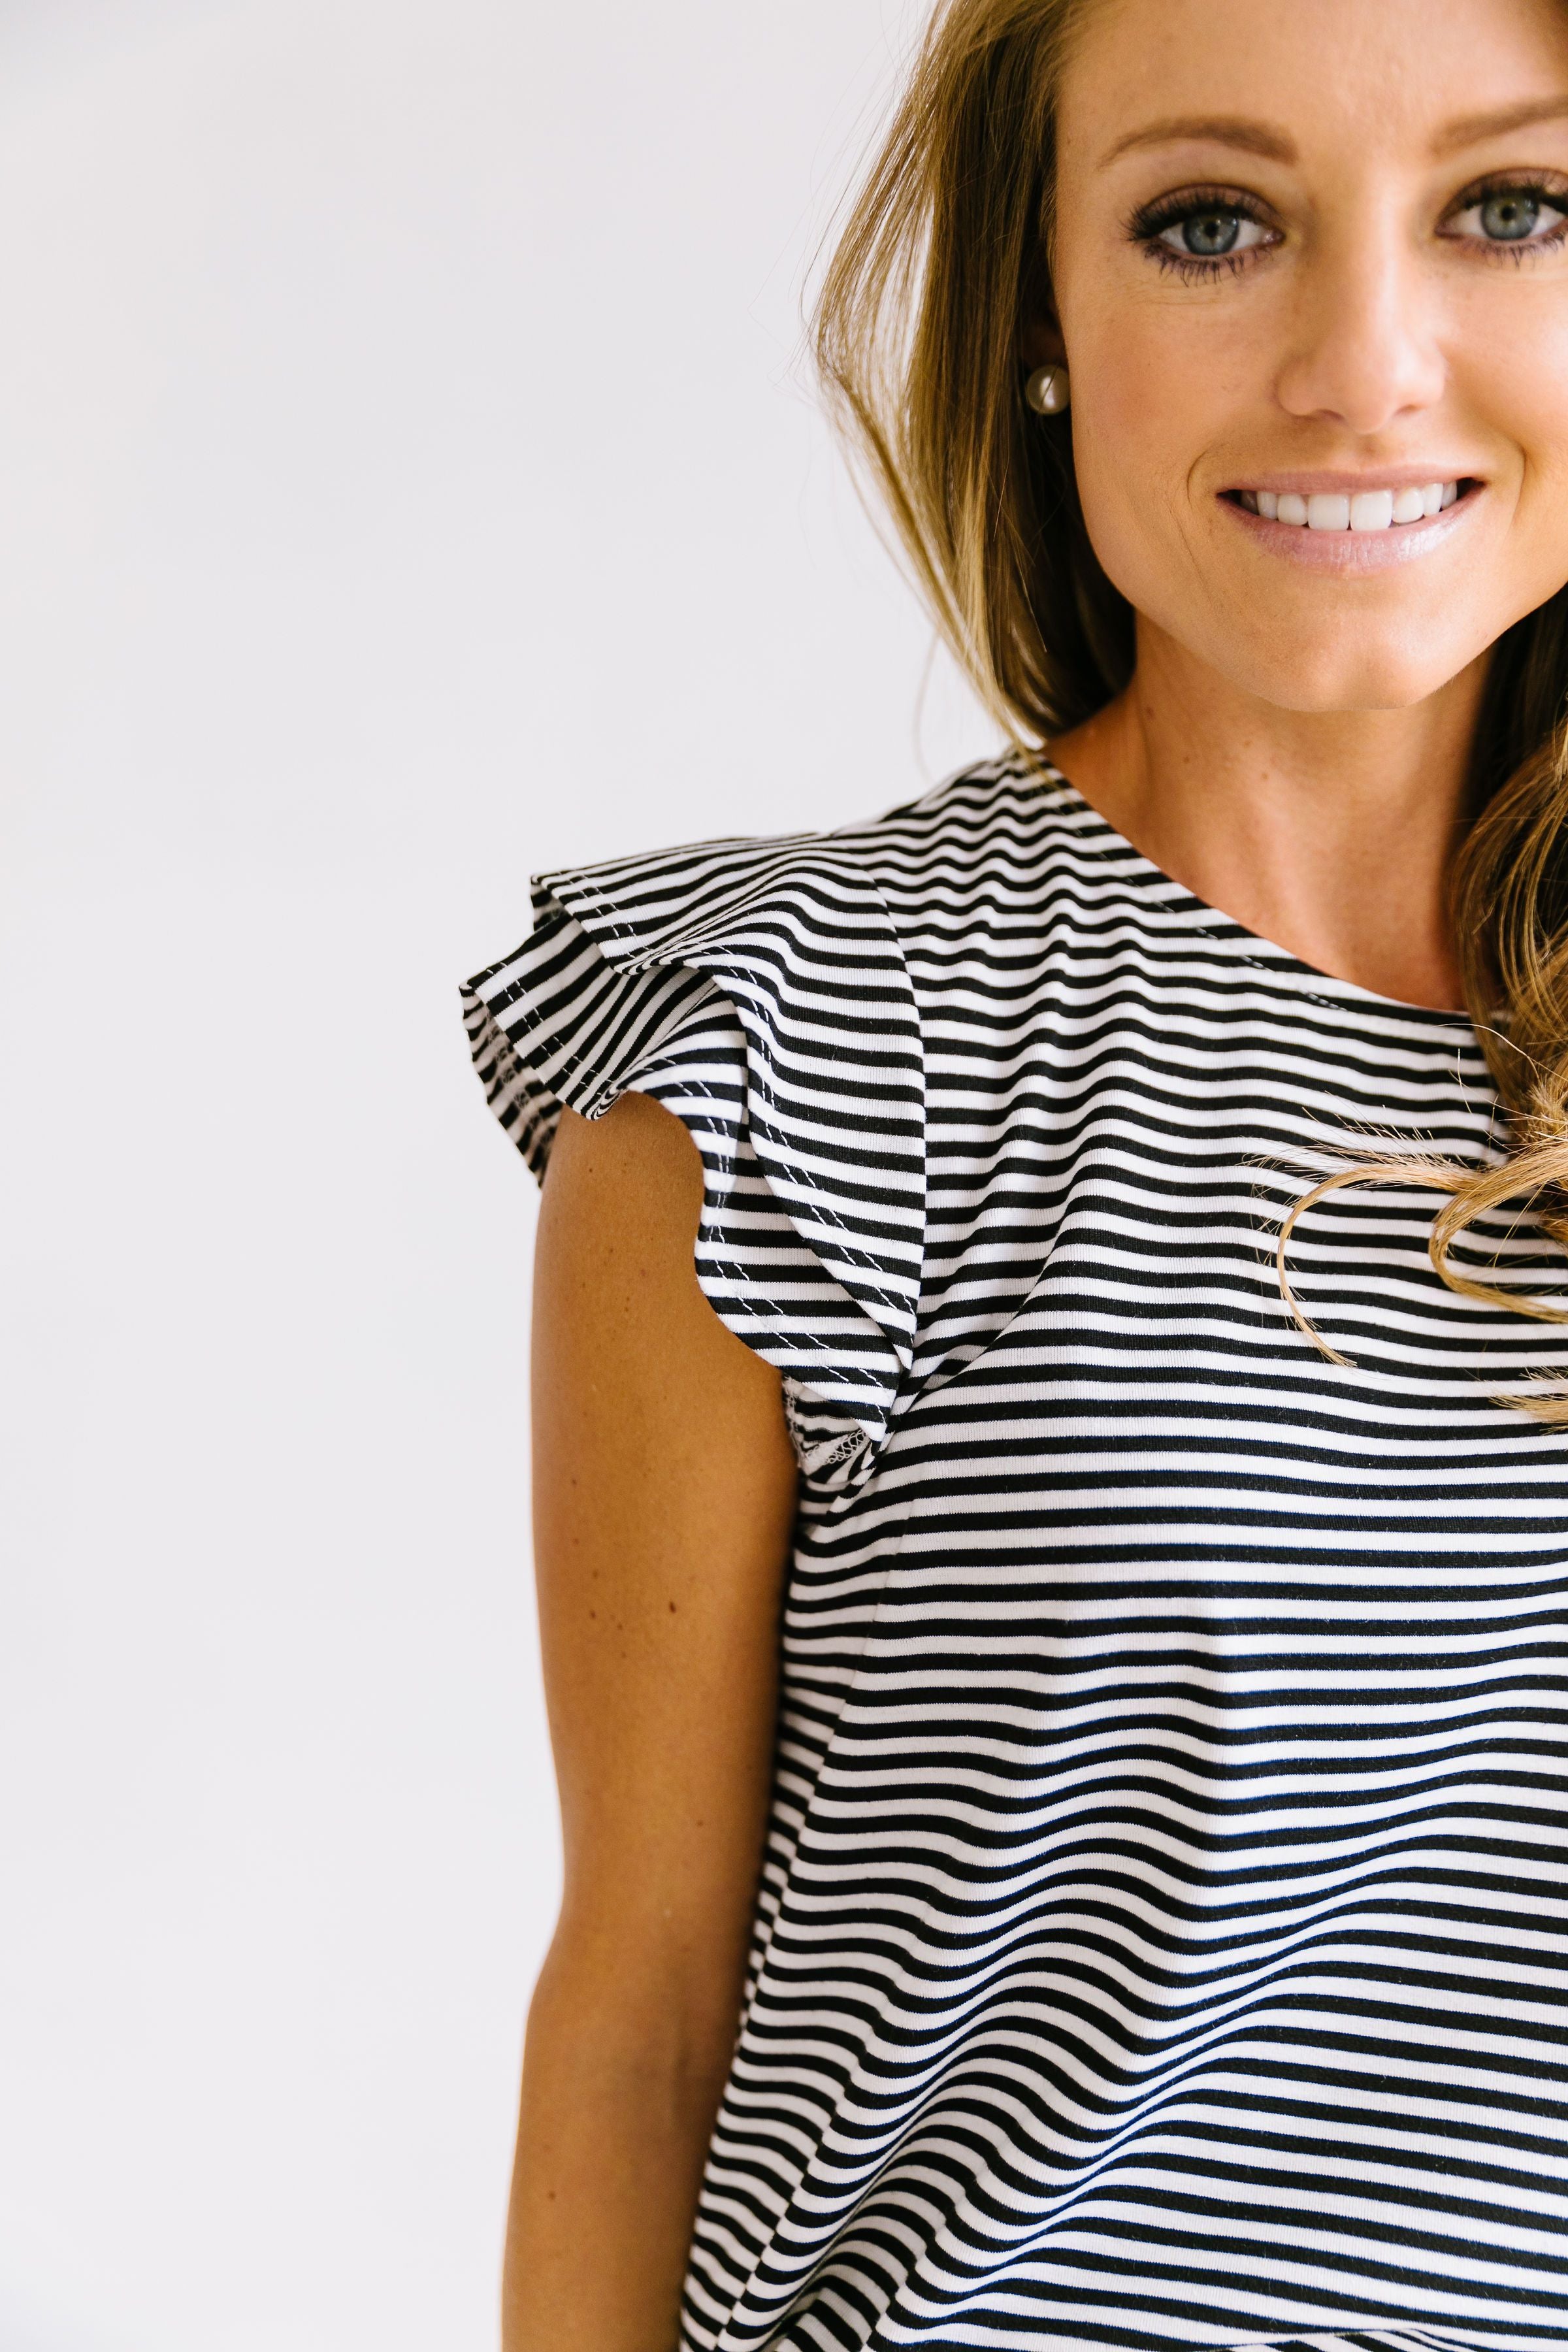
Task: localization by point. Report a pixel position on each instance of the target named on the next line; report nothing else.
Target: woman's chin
(1345, 668)
(1317, 643)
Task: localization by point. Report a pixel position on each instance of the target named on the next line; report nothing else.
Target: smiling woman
(1064, 1752)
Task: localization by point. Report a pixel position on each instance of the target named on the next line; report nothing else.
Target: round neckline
(1278, 961)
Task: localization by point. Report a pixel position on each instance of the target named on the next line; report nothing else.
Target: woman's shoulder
(762, 990)
(993, 817)
(806, 928)
(772, 994)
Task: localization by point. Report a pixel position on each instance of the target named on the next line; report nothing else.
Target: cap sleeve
(759, 991)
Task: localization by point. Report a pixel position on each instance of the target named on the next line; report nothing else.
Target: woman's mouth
(1350, 526)
(1373, 508)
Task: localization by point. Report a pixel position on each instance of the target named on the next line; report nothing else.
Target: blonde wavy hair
(942, 259)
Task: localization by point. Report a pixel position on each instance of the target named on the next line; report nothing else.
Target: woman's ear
(1040, 343)
(1039, 335)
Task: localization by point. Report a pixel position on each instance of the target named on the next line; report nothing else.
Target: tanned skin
(663, 1504)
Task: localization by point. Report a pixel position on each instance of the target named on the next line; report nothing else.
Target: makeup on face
(1362, 509)
(1317, 340)
(1348, 523)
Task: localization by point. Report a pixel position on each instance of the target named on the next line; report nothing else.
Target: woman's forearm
(620, 2089)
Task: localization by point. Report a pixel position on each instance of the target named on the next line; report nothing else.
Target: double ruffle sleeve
(758, 991)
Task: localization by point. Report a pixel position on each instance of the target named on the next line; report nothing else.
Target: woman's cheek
(1509, 374)
(1141, 430)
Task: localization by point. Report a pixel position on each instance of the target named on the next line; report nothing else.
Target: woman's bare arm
(664, 1498)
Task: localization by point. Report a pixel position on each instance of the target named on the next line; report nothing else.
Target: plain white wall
(404, 485)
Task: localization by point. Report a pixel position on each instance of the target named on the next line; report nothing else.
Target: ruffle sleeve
(759, 991)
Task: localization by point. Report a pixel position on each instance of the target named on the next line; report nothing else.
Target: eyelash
(1146, 224)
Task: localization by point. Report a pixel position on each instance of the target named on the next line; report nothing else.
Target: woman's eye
(1211, 234)
(1509, 217)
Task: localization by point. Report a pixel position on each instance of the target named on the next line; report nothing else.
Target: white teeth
(1371, 511)
(1367, 510)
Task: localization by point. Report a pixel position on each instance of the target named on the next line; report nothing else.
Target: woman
(1137, 1877)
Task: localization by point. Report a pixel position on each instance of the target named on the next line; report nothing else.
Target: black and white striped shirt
(1164, 1934)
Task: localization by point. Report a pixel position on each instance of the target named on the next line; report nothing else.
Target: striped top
(1164, 1936)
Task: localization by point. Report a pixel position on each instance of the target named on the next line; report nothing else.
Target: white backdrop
(404, 485)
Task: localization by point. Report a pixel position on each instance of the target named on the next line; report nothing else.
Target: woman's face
(1311, 258)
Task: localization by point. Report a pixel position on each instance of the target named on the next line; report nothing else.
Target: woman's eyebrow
(1216, 130)
(1471, 129)
(1254, 137)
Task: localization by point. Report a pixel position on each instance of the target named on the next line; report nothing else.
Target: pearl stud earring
(1048, 391)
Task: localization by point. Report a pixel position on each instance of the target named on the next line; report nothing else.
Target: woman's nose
(1366, 350)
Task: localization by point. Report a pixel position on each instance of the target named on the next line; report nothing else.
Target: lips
(1375, 508)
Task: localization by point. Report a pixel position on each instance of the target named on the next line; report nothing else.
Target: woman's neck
(1329, 833)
